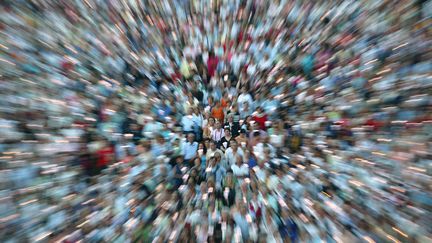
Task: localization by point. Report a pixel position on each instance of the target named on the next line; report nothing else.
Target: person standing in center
(217, 133)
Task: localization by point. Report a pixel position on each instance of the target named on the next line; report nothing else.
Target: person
(187, 122)
(216, 170)
(212, 64)
(260, 117)
(202, 151)
(189, 149)
(245, 110)
(197, 123)
(234, 127)
(212, 150)
(177, 173)
(241, 138)
(218, 112)
(277, 134)
(232, 152)
(229, 192)
(197, 93)
(240, 169)
(244, 98)
(208, 129)
(159, 146)
(225, 140)
(105, 156)
(217, 133)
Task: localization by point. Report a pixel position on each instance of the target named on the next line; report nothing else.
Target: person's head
(211, 121)
(193, 173)
(197, 162)
(195, 109)
(218, 125)
(213, 145)
(227, 132)
(203, 187)
(242, 132)
(201, 146)
(260, 110)
(160, 139)
(218, 103)
(243, 210)
(245, 105)
(233, 144)
(207, 115)
(206, 143)
(243, 89)
(191, 137)
(239, 160)
(179, 160)
(230, 118)
(217, 157)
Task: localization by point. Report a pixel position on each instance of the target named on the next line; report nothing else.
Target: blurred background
(215, 121)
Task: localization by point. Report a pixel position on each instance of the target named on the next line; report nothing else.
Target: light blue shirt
(189, 150)
(187, 123)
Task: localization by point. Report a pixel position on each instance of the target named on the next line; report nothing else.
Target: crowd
(215, 121)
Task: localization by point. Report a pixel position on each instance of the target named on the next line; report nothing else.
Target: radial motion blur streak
(215, 121)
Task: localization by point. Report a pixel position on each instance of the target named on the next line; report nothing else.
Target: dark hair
(256, 134)
(204, 147)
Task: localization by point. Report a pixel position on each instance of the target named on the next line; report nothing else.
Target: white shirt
(242, 170)
(217, 134)
(260, 174)
(259, 150)
(244, 98)
(231, 156)
(251, 70)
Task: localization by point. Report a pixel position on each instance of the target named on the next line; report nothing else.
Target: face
(211, 121)
(218, 125)
(197, 162)
(213, 146)
(234, 145)
(227, 132)
(239, 160)
(230, 119)
(191, 138)
(217, 157)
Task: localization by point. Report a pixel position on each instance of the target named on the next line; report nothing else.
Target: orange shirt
(218, 113)
(224, 103)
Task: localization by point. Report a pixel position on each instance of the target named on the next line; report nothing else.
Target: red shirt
(104, 155)
(212, 63)
(261, 121)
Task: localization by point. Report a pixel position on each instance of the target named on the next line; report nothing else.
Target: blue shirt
(189, 150)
